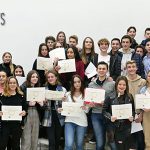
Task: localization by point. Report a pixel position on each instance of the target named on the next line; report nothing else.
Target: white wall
(29, 21)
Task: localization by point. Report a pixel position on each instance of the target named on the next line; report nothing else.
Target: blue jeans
(99, 130)
(73, 130)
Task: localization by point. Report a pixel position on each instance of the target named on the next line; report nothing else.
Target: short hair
(147, 29)
(147, 40)
(116, 39)
(102, 63)
(142, 47)
(103, 40)
(126, 37)
(74, 37)
(131, 62)
(131, 27)
(49, 38)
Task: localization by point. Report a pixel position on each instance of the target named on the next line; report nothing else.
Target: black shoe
(92, 141)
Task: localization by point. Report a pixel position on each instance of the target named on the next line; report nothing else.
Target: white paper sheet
(54, 95)
(11, 112)
(67, 65)
(94, 95)
(90, 70)
(36, 94)
(44, 63)
(21, 80)
(142, 101)
(123, 111)
(71, 109)
(57, 53)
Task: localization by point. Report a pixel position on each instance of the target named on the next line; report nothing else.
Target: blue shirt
(146, 62)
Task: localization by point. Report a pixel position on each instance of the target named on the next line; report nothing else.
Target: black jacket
(115, 65)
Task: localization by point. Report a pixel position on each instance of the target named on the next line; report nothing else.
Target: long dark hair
(64, 43)
(18, 66)
(73, 88)
(83, 54)
(75, 51)
(40, 49)
(28, 79)
(127, 85)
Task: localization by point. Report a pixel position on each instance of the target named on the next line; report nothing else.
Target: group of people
(122, 73)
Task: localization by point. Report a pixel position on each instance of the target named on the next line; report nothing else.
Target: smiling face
(18, 72)
(7, 58)
(51, 78)
(131, 33)
(121, 87)
(72, 42)
(34, 79)
(103, 47)
(102, 70)
(131, 68)
(3, 77)
(12, 83)
(115, 45)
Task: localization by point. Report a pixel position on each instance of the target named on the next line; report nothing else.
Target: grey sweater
(108, 86)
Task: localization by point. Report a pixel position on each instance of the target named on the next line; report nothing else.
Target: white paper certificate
(36, 94)
(11, 112)
(123, 111)
(94, 95)
(54, 95)
(71, 109)
(57, 53)
(90, 70)
(67, 65)
(44, 63)
(142, 101)
(21, 80)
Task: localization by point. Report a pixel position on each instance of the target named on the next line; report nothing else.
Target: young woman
(75, 127)
(43, 52)
(18, 71)
(31, 130)
(52, 120)
(88, 55)
(7, 64)
(146, 113)
(3, 78)
(72, 53)
(61, 37)
(120, 130)
(12, 96)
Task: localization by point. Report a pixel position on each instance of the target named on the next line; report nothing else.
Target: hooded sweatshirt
(135, 85)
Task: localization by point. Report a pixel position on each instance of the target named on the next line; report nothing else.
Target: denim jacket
(47, 119)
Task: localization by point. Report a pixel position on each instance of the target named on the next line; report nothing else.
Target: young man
(101, 82)
(73, 41)
(146, 59)
(131, 31)
(147, 36)
(135, 83)
(49, 41)
(115, 59)
(129, 54)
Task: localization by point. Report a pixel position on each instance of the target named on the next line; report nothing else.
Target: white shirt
(80, 120)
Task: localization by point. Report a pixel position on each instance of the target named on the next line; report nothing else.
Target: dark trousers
(54, 132)
(10, 129)
(139, 137)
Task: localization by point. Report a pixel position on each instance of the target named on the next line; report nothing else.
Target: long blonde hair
(11, 66)
(7, 89)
